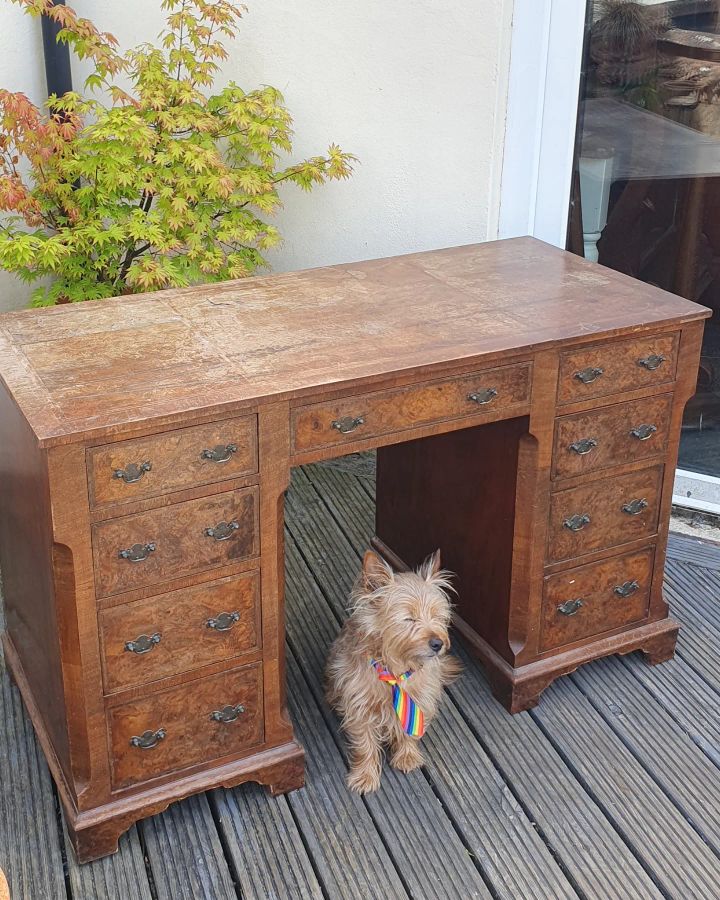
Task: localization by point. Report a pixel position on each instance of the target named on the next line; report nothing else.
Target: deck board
(405, 810)
(122, 876)
(576, 829)
(31, 845)
(609, 788)
(185, 853)
(667, 753)
(264, 845)
(673, 853)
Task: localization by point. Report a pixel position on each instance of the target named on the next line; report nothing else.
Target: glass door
(645, 196)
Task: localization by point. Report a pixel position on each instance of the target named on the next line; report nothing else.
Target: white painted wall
(415, 88)
(21, 69)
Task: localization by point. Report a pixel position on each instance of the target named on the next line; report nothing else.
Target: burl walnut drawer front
(369, 415)
(608, 369)
(592, 599)
(160, 463)
(195, 723)
(180, 631)
(156, 546)
(611, 436)
(604, 514)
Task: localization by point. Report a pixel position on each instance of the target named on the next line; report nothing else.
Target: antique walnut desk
(527, 406)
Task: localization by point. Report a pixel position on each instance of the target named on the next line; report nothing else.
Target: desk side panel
(26, 564)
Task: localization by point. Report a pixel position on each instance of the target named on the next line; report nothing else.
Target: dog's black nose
(436, 645)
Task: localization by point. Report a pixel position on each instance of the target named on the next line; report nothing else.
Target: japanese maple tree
(151, 178)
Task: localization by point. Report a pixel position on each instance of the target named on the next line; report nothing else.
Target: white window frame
(543, 93)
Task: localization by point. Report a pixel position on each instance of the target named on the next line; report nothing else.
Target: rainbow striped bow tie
(412, 720)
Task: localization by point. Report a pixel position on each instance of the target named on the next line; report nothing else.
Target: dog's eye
(410, 619)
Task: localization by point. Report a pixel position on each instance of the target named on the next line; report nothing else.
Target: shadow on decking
(609, 789)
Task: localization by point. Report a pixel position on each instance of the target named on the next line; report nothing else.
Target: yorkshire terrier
(387, 668)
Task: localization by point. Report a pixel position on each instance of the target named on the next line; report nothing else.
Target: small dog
(387, 668)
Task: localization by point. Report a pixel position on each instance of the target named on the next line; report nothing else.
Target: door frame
(543, 94)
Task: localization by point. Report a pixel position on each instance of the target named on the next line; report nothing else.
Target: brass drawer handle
(223, 531)
(137, 553)
(223, 622)
(144, 643)
(584, 446)
(219, 454)
(576, 522)
(483, 397)
(132, 473)
(570, 607)
(643, 432)
(348, 424)
(587, 376)
(148, 739)
(652, 362)
(228, 714)
(626, 589)
(635, 507)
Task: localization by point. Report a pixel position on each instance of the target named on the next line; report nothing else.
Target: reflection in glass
(646, 191)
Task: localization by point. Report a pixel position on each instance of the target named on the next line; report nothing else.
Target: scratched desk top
(99, 368)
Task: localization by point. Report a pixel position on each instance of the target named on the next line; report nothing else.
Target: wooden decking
(608, 790)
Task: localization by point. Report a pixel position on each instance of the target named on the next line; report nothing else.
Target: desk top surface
(93, 369)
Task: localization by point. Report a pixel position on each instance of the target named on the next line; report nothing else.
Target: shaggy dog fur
(402, 620)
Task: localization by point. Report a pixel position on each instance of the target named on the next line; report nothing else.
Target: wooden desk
(527, 406)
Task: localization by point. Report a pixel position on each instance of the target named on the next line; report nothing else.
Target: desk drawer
(604, 513)
(180, 631)
(197, 722)
(592, 599)
(160, 463)
(156, 546)
(607, 369)
(369, 415)
(611, 436)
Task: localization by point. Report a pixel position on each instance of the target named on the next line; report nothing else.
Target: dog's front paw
(406, 757)
(364, 779)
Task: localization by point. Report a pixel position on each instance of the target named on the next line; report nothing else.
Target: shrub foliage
(151, 178)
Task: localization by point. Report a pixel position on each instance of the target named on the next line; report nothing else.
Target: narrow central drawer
(163, 544)
(179, 631)
(505, 389)
(160, 463)
(611, 436)
(195, 723)
(592, 599)
(604, 513)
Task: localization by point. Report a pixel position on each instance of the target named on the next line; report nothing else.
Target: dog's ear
(431, 566)
(376, 572)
